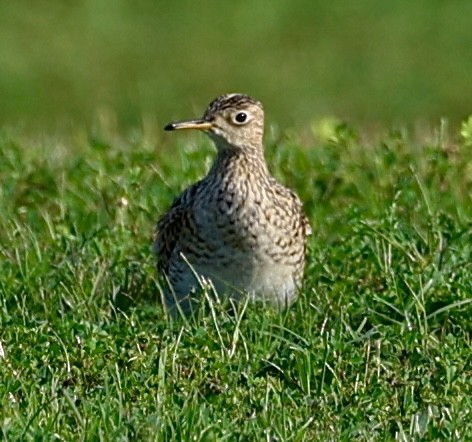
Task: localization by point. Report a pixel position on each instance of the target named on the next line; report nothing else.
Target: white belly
(260, 280)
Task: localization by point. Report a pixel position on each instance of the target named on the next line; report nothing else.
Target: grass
(376, 348)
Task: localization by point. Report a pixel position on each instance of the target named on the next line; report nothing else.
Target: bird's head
(233, 121)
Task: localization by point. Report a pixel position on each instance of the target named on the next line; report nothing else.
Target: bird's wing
(169, 228)
(296, 205)
(303, 218)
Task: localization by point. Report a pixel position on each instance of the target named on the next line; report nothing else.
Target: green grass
(378, 346)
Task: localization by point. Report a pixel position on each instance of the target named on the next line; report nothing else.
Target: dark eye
(241, 117)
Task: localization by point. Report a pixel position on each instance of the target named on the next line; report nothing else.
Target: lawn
(377, 347)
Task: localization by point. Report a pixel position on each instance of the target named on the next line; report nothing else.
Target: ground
(376, 348)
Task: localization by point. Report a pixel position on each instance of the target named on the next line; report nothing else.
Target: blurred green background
(364, 61)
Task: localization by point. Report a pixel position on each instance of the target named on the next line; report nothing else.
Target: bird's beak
(198, 124)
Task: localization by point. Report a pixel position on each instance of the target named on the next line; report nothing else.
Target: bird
(237, 228)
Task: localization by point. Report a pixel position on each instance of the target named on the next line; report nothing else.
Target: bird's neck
(244, 164)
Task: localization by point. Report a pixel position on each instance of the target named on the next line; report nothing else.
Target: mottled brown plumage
(237, 227)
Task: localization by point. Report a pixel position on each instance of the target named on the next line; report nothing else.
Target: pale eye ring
(241, 118)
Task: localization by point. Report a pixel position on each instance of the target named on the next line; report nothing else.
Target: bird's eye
(240, 117)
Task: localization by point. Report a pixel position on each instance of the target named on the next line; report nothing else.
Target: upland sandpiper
(237, 229)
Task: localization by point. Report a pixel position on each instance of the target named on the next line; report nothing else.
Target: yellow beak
(198, 124)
